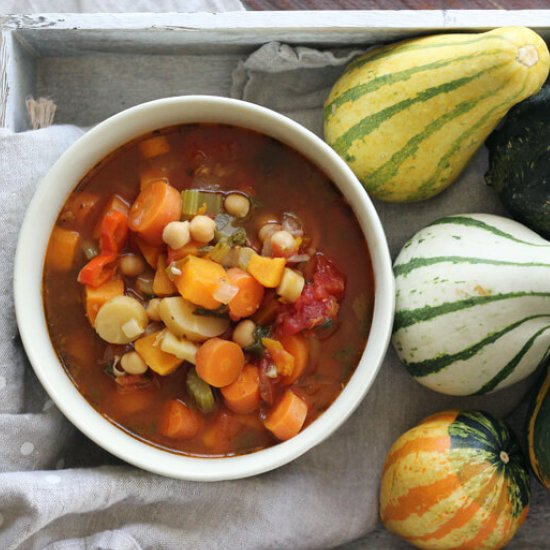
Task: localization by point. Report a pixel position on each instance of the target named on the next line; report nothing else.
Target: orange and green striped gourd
(407, 117)
(538, 431)
(456, 480)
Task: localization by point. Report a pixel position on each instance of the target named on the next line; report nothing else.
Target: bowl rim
(44, 209)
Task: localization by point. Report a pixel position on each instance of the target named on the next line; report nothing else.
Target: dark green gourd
(519, 162)
(538, 431)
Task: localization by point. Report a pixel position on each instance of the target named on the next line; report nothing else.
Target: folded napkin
(58, 490)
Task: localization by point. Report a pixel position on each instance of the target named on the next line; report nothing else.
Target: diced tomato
(312, 309)
(328, 277)
(318, 304)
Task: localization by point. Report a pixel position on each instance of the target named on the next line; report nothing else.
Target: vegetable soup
(208, 290)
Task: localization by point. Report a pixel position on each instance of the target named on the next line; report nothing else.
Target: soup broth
(319, 321)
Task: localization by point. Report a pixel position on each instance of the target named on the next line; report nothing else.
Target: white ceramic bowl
(42, 214)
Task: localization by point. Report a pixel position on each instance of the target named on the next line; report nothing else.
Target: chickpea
(153, 309)
(267, 230)
(244, 333)
(176, 234)
(132, 363)
(283, 243)
(202, 228)
(237, 205)
(131, 265)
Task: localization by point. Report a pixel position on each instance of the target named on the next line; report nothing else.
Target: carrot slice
(286, 419)
(298, 346)
(250, 294)
(178, 421)
(62, 249)
(99, 270)
(113, 231)
(219, 362)
(155, 207)
(151, 174)
(243, 395)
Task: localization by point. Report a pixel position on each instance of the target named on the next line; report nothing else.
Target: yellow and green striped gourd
(456, 480)
(407, 117)
(538, 431)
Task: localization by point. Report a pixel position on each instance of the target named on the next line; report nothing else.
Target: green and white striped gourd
(472, 304)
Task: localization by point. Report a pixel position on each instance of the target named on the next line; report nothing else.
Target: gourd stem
(504, 457)
(528, 55)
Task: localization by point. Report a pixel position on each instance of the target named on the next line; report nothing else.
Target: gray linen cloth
(60, 491)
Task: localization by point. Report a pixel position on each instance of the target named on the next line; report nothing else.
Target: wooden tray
(94, 65)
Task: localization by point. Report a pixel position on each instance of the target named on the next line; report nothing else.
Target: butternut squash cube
(267, 271)
(162, 285)
(96, 297)
(198, 281)
(157, 360)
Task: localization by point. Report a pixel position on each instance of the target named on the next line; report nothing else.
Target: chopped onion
(116, 371)
(267, 248)
(271, 371)
(225, 292)
(175, 270)
(132, 328)
(298, 258)
(293, 225)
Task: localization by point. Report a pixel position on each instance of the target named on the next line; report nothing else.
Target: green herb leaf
(257, 347)
(221, 312)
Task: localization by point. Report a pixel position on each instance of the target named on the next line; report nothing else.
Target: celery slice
(194, 199)
(200, 391)
(212, 200)
(190, 201)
